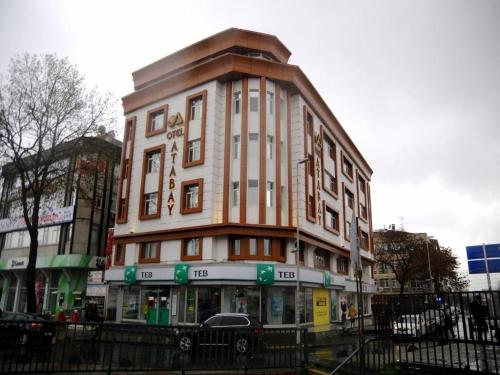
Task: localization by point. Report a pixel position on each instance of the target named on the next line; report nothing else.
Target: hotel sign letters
(318, 141)
(175, 122)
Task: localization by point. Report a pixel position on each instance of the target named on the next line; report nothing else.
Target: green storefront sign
(181, 273)
(130, 274)
(71, 283)
(265, 274)
(327, 279)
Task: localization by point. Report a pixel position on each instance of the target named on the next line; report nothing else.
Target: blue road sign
(478, 266)
(476, 252)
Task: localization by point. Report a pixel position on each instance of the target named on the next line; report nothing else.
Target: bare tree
(45, 108)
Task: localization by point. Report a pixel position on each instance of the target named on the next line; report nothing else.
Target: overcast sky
(416, 84)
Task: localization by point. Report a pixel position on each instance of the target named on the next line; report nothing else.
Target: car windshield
(407, 319)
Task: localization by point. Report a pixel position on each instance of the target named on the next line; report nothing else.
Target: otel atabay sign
(176, 130)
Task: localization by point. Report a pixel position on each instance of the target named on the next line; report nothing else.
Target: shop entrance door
(164, 307)
(158, 307)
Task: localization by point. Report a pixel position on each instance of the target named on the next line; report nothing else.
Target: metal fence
(445, 332)
(52, 347)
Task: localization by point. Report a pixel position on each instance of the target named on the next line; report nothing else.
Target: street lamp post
(297, 249)
(429, 264)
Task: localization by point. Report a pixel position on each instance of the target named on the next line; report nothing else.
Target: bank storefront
(61, 282)
(190, 293)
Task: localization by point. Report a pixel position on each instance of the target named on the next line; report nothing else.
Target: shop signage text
(286, 275)
(45, 219)
(173, 121)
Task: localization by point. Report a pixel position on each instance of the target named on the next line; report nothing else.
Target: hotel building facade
(207, 208)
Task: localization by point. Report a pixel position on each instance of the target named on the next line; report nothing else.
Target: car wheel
(242, 345)
(185, 343)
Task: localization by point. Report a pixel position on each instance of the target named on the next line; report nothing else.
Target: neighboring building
(206, 219)
(72, 236)
(385, 279)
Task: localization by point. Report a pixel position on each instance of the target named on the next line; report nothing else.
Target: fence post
(110, 365)
(306, 348)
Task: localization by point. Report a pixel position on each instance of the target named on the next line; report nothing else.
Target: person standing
(478, 313)
(448, 323)
(352, 314)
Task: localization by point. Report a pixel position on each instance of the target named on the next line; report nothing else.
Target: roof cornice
(232, 66)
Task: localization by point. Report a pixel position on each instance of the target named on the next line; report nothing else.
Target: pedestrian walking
(352, 314)
(343, 308)
(478, 312)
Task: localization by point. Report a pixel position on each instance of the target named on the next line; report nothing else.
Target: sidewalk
(336, 335)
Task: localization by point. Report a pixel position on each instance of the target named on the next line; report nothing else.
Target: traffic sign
(476, 252)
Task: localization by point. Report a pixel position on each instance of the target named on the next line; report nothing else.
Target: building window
(311, 207)
(236, 147)
(364, 240)
(150, 203)
(254, 100)
(269, 147)
(253, 146)
(252, 246)
(119, 254)
(362, 185)
(350, 199)
(236, 193)
(342, 265)
(128, 131)
(121, 209)
(150, 252)
(192, 249)
(330, 148)
(257, 248)
(237, 102)
(270, 102)
(321, 259)
(194, 144)
(270, 194)
(195, 113)
(364, 213)
(194, 150)
(192, 196)
(253, 192)
(153, 162)
(347, 168)
(267, 247)
(331, 183)
(236, 247)
(157, 121)
(331, 219)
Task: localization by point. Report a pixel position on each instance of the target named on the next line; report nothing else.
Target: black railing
(52, 347)
(446, 332)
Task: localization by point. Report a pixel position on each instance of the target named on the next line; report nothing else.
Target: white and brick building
(213, 134)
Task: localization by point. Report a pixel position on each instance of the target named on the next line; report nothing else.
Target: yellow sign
(321, 307)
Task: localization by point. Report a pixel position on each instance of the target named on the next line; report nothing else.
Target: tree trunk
(400, 303)
(31, 273)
